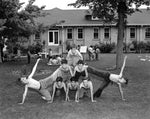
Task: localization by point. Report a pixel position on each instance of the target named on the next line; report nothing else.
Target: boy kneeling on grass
(73, 85)
(58, 85)
(86, 88)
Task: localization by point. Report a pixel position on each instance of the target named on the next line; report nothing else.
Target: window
(132, 32)
(53, 37)
(37, 36)
(95, 35)
(69, 33)
(106, 33)
(80, 33)
(95, 18)
(147, 33)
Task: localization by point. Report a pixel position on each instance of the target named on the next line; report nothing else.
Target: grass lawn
(108, 106)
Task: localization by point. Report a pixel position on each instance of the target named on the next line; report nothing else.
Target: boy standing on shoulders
(73, 56)
(80, 70)
(64, 71)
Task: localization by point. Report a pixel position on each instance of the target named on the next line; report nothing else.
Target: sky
(62, 4)
(50, 4)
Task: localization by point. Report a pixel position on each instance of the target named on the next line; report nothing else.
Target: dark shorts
(107, 75)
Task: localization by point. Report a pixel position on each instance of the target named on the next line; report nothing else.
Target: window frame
(53, 40)
(147, 33)
(106, 33)
(95, 34)
(81, 33)
(69, 33)
(131, 32)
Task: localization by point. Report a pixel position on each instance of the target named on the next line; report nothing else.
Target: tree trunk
(119, 52)
(1, 55)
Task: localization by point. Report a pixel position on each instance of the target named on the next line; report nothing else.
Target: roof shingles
(77, 18)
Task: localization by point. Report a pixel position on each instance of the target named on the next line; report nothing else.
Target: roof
(139, 18)
(77, 18)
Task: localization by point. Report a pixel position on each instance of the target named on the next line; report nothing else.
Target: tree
(113, 11)
(15, 22)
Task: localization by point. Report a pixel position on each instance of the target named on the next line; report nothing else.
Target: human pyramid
(71, 75)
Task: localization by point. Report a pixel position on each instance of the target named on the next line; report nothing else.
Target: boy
(58, 85)
(80, 70)
(73, 85)
(109, 77)
(34, 84)
(64, 71)
(73, 56)
(86, 87)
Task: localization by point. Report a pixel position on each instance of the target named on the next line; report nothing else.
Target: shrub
(140, 47)
(23, 50)
(107, 48)
(34, 49)
(148, 46)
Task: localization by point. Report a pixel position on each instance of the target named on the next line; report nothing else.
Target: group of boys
(72, 75)
(62, 78)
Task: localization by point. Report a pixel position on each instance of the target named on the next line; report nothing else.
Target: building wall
(113, 33)
(140, 34)
(88, 37)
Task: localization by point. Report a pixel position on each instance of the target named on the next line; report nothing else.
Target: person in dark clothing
(80, 70)
(29, 56)
(96, 51)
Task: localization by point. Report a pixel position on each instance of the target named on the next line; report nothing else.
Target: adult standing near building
(73, 56)
(29, 55)
(91, 52)
(97, 51)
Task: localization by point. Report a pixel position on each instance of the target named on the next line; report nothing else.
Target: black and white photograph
(74, 59)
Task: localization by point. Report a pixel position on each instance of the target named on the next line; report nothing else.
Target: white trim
(87, 25)
(52, 43)
(101, 24)
(95, 18)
